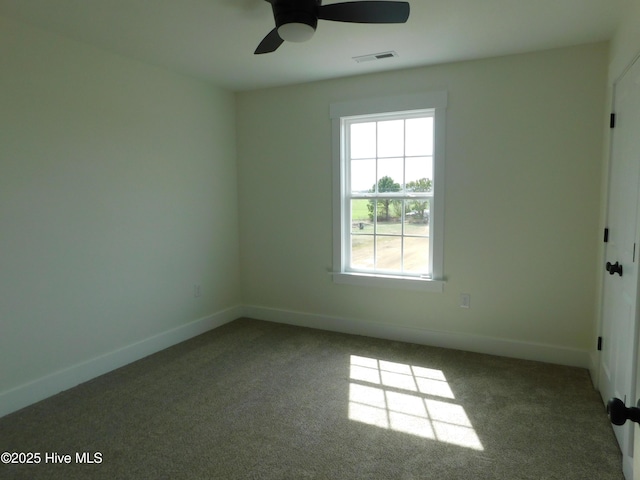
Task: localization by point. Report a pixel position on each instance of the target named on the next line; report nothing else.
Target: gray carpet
(258, 400)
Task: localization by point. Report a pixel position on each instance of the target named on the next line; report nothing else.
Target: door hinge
(606, 235)
(599, 343)
(612, 120)
(634, 253)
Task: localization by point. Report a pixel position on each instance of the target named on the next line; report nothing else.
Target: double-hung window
(388, 191)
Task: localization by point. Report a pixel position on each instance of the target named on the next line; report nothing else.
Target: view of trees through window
(388, 209)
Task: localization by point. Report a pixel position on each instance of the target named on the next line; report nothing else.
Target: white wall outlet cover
(465, 300)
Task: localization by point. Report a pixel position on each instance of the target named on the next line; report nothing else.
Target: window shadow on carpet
(409, 399)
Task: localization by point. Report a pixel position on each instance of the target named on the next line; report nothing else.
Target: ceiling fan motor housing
(295, 11)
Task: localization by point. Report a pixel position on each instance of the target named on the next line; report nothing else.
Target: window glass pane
(416, 255)
(395, 226)
(363, 140)
(361, 216)
(389, 217)
(388, 253)
(390, 175)
(363, 175)
(362, 251)
(388, 211)
(419, 174)
(419, 136)
(391, 138)
(416, 219)
(390, 227)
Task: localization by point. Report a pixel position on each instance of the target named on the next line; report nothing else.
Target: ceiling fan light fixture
(296, 32)
(296, 20)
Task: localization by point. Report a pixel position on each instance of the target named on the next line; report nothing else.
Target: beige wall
(523, 171)
(117, 195)
(625, 44)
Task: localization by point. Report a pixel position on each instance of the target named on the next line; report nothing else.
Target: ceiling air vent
(375, 56)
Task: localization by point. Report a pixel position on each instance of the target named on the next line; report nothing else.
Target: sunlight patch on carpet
(399, 397)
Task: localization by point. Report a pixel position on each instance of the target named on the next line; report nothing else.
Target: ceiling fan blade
(365, 12)
(270, 43)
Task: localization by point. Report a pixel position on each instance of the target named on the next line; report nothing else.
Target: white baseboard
(29, 393)
(459, 341)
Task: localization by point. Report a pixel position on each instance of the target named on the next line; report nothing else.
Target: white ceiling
(215, 39)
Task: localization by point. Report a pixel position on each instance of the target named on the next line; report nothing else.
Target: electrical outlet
(465, 300)
(196, 291)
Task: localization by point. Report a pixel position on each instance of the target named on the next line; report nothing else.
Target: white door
(619, 327)
(630, 83)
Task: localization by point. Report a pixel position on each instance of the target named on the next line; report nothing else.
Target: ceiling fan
(296, 20)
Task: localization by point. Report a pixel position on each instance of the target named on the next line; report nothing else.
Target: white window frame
(403, 104)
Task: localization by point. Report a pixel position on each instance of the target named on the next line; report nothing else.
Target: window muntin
(389, 166)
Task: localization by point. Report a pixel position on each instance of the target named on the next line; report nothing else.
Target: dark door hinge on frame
(612, 120)
(599, 343)
(606, 235)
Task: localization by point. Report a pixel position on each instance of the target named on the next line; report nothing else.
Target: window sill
(387, 281)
